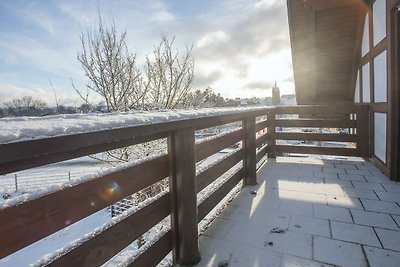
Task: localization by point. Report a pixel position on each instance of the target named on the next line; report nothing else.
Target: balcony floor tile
(339, 253)
(308, 212)
(382, 257)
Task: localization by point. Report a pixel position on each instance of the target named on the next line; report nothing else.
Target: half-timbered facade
(348, 51)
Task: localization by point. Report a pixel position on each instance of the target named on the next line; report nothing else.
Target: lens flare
(110, 191)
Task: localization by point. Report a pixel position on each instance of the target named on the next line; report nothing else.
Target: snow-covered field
(53, 174)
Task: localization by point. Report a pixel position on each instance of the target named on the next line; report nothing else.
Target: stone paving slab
(309, 212)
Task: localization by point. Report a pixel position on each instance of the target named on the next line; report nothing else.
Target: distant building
(276, 96)
(288, 100)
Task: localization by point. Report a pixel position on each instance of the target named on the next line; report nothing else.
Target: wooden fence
(31, 221)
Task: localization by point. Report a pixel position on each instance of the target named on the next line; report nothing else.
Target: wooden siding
(325, 39)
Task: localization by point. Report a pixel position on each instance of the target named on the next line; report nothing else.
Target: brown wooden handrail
(27, 222)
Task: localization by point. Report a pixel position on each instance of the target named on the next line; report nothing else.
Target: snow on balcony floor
(309, 212)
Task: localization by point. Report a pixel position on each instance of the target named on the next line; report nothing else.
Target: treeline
(34, 107)
(29, 106)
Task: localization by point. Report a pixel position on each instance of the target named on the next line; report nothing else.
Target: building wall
(373, 85)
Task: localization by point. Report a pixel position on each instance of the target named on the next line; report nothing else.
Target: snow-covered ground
(53, 174)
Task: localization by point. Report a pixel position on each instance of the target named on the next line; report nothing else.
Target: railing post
(362, 131)
(271, 116)
(184, 196)
(249, 147)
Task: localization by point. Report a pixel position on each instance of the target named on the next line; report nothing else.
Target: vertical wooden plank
(271, 132)
(184, 196)
(394, 89)
(363, 131)
(249, 145)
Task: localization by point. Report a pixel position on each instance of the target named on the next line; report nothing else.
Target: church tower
(276, 96)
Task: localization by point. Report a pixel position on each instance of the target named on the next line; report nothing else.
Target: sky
(240, 47)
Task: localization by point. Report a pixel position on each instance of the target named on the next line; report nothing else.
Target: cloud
(263, 31)
(10, 91)
(203, 80)
(289, 79)
(244, 49)
(259, 85)
(213, 39)
(232, 39)
(163, 16)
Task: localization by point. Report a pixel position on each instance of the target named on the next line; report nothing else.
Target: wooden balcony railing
(30, 221)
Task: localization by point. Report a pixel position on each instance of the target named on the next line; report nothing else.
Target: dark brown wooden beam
(271, 131)
(105, 245)
(316, 123)
(211, 201)
(331, 109)
(261, 125)
(181, 150)
(316, 150)
(262, 152)
(249, 148)
(36, 219)
(316, 137)
(26, 163)
(362, 131)
(216, 170)
(58, 146)
(210, 147)
(155, 253)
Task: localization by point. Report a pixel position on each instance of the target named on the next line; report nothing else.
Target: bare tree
(26, 106)
(111, 68)
(169, 75)
(203, 99)
(113, 73)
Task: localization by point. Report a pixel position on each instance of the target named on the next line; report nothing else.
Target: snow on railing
(29, 128)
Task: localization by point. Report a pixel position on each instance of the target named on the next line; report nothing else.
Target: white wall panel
(379, 20)
(366, 83)
(380, 136)
(380, 78)
(357, 90)
(365, 39)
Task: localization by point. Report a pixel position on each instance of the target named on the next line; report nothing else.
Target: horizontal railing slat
(316, 123)
(209, 203)
(26, 163)
(335, 151)
(212, 173)
(316, 137)
(103, 246)
(317, 110)
(52, 145)
(38, 218)
(262, 152)
(208, 148)
(262, 139)
(154, 254)
(261, 125)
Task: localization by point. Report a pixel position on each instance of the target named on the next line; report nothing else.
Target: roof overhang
(326, 39)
